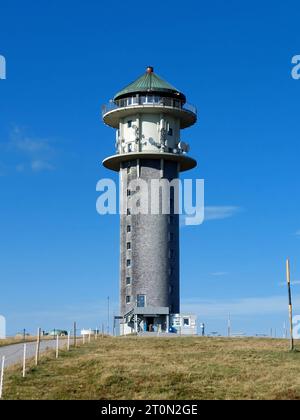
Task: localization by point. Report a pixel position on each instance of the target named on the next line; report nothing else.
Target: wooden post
(57, 346)
(288, 277)
(74, 334)
(2, 376)
(24, 361)
(90, 336)
(38, 344)
(68, 342)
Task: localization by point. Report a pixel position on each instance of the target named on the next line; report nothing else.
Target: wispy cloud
(215, 213)
(293, 283)
(28, 152)
(249, 306)
(41, 165)
(219, 274)
(220, 212)
(297, 233)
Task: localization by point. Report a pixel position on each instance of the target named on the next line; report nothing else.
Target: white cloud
(215, 213)
(219, 274)
(297, 233)
(33, 154)
(293, 283)
(251, 306)
(220, 212)
(40, 165)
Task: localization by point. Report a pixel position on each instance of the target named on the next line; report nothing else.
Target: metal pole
(2, 376)
(288, 277)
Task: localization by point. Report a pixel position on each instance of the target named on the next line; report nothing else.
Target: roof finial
(150, 69)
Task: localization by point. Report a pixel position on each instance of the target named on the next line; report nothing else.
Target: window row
(140, 300)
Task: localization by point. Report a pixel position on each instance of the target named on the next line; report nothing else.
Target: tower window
(128, 228)
(141, 301)
(129, 123)
(171, 236)
(128, 299)
(170, 131)
(171, 253)
(128, 263)
(128, 212)
(128, 281)
(128, 193)
(129, 147)
(128, 245)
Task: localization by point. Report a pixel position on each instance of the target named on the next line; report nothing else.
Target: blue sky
(58, 257)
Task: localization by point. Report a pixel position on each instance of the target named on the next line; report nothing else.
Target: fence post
(38, 343)
(24, 361)
(68, 342)
(74, 334)
(57, 345)
(90, 336)
(2, 376)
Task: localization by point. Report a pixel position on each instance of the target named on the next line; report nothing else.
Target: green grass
(163, 368)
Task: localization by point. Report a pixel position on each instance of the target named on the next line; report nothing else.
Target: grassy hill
(163, 368)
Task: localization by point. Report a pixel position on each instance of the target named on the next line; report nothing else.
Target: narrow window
(129, 123)
(186, 322)
(170, 131)
(128, 263)
(128, 212)
(171, 253)
(128, 245)
(128, 228)
(128, 281)
(141, 301)
(128, 193)
(128, 299)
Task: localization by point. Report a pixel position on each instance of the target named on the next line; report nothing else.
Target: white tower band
(148, 116)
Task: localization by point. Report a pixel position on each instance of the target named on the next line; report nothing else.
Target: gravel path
(14, 353)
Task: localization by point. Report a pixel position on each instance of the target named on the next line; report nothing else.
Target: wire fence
(30, 349)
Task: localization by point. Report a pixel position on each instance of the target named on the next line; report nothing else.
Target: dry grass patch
(164, 368)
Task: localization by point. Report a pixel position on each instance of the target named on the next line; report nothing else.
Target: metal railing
(152, 101)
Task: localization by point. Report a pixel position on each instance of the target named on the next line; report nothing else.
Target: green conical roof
(149, 82)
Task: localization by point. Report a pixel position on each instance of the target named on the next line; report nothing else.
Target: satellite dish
(184, 146)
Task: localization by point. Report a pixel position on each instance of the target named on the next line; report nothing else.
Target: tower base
(143, 321)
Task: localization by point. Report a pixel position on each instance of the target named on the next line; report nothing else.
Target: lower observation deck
(113, 162)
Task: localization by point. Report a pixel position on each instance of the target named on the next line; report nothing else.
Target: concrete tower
(148, 116)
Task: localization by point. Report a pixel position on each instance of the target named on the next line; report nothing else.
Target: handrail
(143, 101)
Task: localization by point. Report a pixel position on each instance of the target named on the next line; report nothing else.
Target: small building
(184, 324)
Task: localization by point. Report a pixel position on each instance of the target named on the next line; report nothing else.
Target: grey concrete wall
(153, 271)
